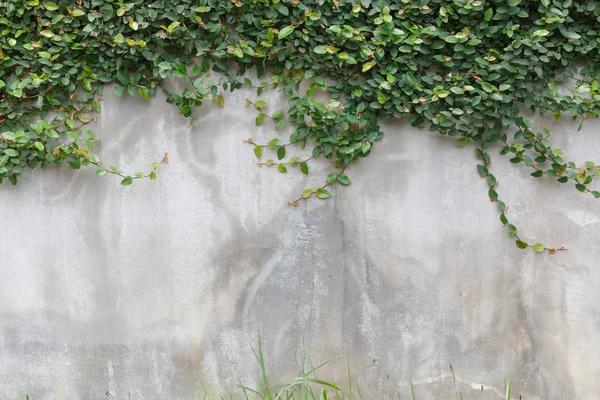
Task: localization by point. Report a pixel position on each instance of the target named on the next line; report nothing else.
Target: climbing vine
(464, 68)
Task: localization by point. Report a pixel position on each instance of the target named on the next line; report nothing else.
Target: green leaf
(279, 125)
(512, 230)
(482, 170)
(280, 153)
(331, 177)
(304, 168)
(462, 142)
(40, 146)
(47, 33)
(173, 25)
(145, 93)
(322, 193)
(51, 6)
(306, 193)
(277, 114)
(221, 101)
(128, 180)
(260, 104)
(274, 143)
(492, 194)
(488, 87)
(285, 32)
(101, 172)
(343, 179)
(281, 168)
(260, 118)
(521, 244)
(11, 152)
(319, 49)
(282, 9)
(293, 160)
(153, 176)
(238, 52)
(258, 150)
(489, 13)
(538, 247)
(119, 89)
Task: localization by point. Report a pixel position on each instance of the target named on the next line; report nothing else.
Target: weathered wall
(153, 287)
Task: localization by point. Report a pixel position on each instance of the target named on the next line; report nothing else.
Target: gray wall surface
(151, 288)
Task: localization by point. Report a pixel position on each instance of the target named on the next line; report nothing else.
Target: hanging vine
(463, 68)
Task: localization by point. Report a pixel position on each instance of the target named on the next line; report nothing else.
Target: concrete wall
(153, 287)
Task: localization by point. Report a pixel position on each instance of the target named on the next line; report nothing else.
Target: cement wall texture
(151, 288)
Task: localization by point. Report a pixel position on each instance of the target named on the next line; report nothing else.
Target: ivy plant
(471, 69)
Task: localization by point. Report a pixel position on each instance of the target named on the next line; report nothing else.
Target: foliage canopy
(464, 68)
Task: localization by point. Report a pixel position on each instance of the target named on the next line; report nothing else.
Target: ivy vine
(463, 68)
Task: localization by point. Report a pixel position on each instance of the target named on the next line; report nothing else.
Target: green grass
(306, 386)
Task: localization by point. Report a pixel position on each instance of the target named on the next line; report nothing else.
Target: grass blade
(323, 395)
(349, 382)
(261, 362)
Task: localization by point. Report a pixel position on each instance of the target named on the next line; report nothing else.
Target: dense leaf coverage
(462, 68)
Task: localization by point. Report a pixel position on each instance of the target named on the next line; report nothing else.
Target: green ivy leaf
(285, 32)
(145, 93)
(538, 247)
(512, 230)
(127, 181)
(280, 153)
(260, 118)
(258, 150)
(119, 89)
(304, 168)
(331, 177)
(343, 179)
(260, 104)
(521, 244)
(322, 193)
(277, 114)
(462, 142)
